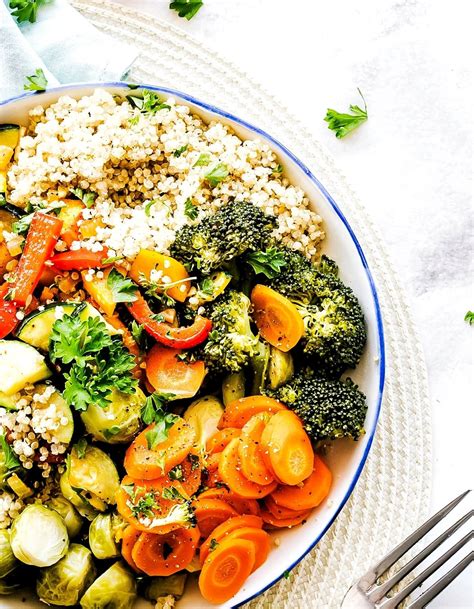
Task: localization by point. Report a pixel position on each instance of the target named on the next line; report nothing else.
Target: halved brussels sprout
(116, 588)
(280, 368)
(64, 583)
(119, 421)
(203, 415)
(102, 536)
(39, 536)
(8, 561)
(163, 586)
(93, 476)
(68, 513)
(81, 504)
(233, 387)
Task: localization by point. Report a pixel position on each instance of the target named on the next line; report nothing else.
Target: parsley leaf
(76, 340)
(190, 209)
(9, 459)
(278, 170)
(148, 103)
(213, 544)
(87, 198)
(207, 286)
(36, 82)
(25, 10)
(270, 262)
(186, 8)
(217, 174)
(112, 259)
(179, 151)
(203, 160)
(22, 226)
(176, 473)
(123, 289)
(145, 506)
(153, 412)
(153, 408)
(341, 123)
(111, 431)
(469, 317)
(160, 431)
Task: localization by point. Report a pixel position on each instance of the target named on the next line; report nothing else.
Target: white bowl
(345, 458)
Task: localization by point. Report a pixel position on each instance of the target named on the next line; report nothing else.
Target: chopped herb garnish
(286, 574)
(112, 259)
(3, 201)
(21, 226)
(148, 103)
(186, 8)
(129, 489)
(87, 198)
(270, 262)
(132, 85)
(25, 10)
(341, 123)
(149, 205)
(159, 317)
(213, 544)
(81, 448)
(153, 408)
(194, 459)
(217, 174)
(9, 459)
(145, 506)
(137, 331)
(172, 494)
(207, 286)
(111, 432)
(179, 151)
(469, 317)
(163, 421)
(278, 169)
(134, 120)
(190, 209)
(203, 160)
(123, 289)
(176, 473)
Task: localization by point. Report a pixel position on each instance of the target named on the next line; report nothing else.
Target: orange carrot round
(278, 523)
(129, 539)
(286, 448)
(191, 474)
(220, 439)
(260, 538)
(221, 531)
(210, 513)
(240, 504)
(310, 493)
(161, 555)
(277, 318)
(226, 569)
(250, 452)
(238, 412)
(279, 512)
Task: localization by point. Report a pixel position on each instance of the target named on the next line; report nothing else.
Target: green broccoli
(232, 230)
(297, 278)
(329, 409)
(231, 343)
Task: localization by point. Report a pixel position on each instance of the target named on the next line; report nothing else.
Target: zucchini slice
(9, 401)
(20, 365)
(9, 135)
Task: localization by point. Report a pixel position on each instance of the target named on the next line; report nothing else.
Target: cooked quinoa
(144, 168)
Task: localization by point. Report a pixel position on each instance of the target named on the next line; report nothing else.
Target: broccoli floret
(223, 235)
(297, 278)
(329, 409)
(231, 343)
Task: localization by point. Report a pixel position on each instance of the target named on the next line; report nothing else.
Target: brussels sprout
(280, 368)
(203, 415)
(81, 504)
(116, 588)
(92, 476)
(64, 583)
(260, 363)
(68, 513)
(119, 421)
(9, 586)
(8, 561)
(102, 536)
(163, 586)
(39, 536)
(233, 387)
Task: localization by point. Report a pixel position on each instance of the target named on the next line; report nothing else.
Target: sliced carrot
(191, 474)
(310, 493)
(253, 465)
(287, 449)
(214, 480)
(241, 505)
(226, 569)
(279, 512)
(220, 439)
(212, 462)
(231, 474)
(129, 539)
(168, 374)
(280, 523)
(221, 531)
(277, 318)
(148, 494)
(238, 412)
(151, 463)
(161, 555)
(210, 513)
(260, 538)
(148, 261)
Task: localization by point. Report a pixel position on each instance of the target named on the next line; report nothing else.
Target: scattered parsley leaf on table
(123, 289)
(36, 82)
(25, 10)
(342, 124)
(186, 8)
(469, 317)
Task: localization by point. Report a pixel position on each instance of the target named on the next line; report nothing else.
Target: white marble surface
(411, 164)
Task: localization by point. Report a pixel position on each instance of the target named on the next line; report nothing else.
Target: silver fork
(367, 593)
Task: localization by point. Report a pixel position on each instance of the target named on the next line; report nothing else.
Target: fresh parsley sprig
(186, 8)
(25, 10)
(148, 102)
(36, 82)
(153, 413)
(342, 124)
(469, 317)
(123, 289)
(86, 197)
(270, 262)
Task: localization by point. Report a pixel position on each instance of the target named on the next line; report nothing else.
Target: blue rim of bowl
(331, 201)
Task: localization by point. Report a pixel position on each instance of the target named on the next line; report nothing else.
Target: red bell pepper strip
(8, 310)
(79, 260)
(178, 338)
(42, 236)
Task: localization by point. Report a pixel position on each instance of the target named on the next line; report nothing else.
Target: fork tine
(442, 583)
(394, 601)
(376, 593)
(376, 571)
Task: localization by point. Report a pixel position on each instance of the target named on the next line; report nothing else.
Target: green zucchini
(9, 135)
(9, 401)
(20, 365)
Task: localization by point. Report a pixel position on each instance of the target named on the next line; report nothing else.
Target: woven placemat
(392, 495)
